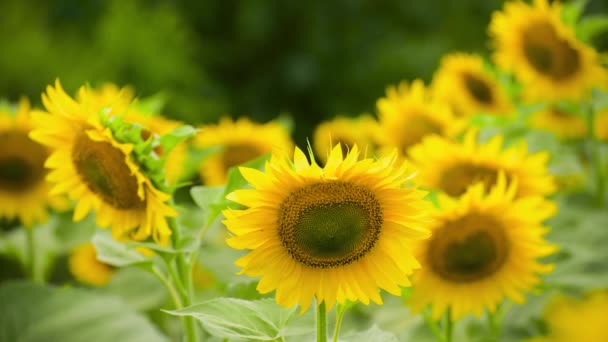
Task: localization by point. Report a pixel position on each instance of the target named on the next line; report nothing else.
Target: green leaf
(207, 198)
(116, 253)
(171, 139)
(152, 104)
(592, 25)
(260, 320)
(373, 334)
(571, 11)
(32, 312)
(136, 287)
(236, 180)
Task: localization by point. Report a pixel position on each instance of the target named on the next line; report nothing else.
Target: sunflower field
(348, 171)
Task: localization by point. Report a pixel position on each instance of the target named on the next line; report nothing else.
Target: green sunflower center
(416, 128)
(455, 180)
(330, 223)
(469, 249)
(548, 53)
(21, 162)
(235, 155)
(104, 170)
(478, 88)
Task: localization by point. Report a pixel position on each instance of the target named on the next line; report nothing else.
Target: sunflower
(563, 124)
(109, 97)
(361, 131)
(601, 124)
(571, 319)
(24, 192)
(408, 113)
(463, 82)
(241, 141)
(452, 167)
(99, 172)
(335, 233)
(483, 248)
(86, 268)
(532, 42)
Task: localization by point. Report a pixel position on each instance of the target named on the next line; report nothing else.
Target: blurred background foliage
(312, 59)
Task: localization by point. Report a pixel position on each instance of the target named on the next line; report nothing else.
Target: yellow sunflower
(601, 124)
(241, 141)
(463, 82)
(571, 319)
(532, 42)
(558, 121)
(452, 167)
(117, 101)
(336, 233)
(361, 131)
(408, 113)
(86, 268)
(24, 192)
(483, 248)
(98, 171)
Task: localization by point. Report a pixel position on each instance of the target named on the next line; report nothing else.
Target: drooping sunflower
(97, 171)
(532, 42)
(577, 319)
(408, 113)
(240, 141)
(24, 192)
(86, 268)
(336, 233)
(563, 124)
(463, 82)
(484, 247)
(362, 131)
(451, 167)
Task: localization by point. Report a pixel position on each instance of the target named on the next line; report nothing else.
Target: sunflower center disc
(329, 224)
(235, 155)
(548, 53)
(478, 88)
(469, 249)
(21, 162)
(457, 179)
(103, 168)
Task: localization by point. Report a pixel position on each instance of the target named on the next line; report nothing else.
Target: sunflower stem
(494, 319)
(449, 325)
(321, 322)
(341, 309)
(433, 327)
(33, 273)
(596, 156)
(177, 300)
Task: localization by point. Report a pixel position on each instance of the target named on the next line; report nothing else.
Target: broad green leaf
(373, 334)
(236, 180)
(171, 139)
(153, 104)
(116, 253)
(590, 26)
(207, 198)
(136, 287)
(260, 320)
(32, 312)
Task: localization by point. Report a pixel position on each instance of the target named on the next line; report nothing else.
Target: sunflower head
(86, 268)
(408, 113)
(239, 141)
(104, 165)
(361, 131)
(532, 42)
(336, 233)
(24, 192)
(451, 167)
(463, 82)
(484, 247)
(601, 124)
(563, 124)
(566, 315)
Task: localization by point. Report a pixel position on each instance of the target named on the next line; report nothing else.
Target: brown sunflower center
(330, 224)
(104, 170)
(21, 162)
(471, 248)
(455, 180)
(415, 128)
(478, 88)
(235, 155)
(548, 53)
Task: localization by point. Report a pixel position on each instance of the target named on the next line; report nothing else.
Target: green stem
(432, 325)
(177, 300)
(449, 325)
(494, 324)
(339, 316)
(33, 273)
(321, 322)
